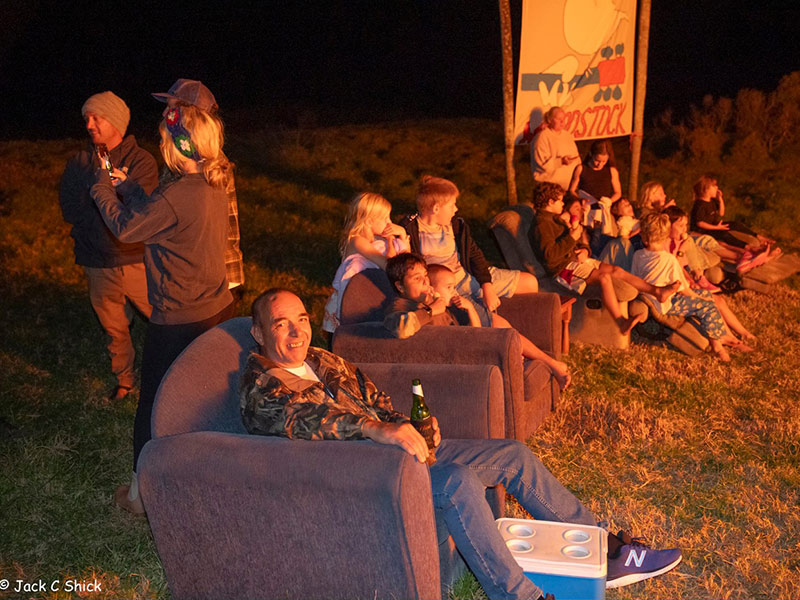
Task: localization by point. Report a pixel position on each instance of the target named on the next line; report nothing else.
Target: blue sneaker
(636, 562)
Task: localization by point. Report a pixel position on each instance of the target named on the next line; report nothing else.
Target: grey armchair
(531, 393)
(242, 516)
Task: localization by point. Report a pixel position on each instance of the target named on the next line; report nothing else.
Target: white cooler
(563, 559)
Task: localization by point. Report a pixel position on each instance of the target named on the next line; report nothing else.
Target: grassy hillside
(686, 452)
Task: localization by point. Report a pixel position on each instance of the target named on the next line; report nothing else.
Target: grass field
(686, 452)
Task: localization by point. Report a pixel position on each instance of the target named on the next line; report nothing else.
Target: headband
(180, 136)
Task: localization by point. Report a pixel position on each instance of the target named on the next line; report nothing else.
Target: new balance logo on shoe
(636, 562)
(636, 558)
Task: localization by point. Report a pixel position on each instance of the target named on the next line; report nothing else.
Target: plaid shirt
(273, 401)
(234, 266)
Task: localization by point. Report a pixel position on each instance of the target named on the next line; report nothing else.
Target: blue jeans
(463, 471)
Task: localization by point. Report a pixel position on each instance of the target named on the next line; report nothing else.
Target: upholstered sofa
(235, 515)
(531, 393)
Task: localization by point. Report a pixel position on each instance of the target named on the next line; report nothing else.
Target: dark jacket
(470, 256)
(184, 226)
(95, 245)
(551, 242)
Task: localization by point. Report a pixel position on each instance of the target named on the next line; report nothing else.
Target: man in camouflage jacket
(293, 390)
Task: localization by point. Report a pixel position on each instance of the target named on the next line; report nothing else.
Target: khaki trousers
(113, 291)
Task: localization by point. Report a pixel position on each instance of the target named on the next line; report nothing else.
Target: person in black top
(707, 215)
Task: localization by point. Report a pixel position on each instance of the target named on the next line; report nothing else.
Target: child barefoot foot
(626, 325)
(737, 344)
(665, 291)
(720, 351)
(560, 371)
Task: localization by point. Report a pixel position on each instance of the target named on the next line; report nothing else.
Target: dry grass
(681, 451)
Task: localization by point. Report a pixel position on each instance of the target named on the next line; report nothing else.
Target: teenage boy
(427, 295)
(440, 237)
(555, 244)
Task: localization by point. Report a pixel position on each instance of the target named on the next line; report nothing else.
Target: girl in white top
(369, 238)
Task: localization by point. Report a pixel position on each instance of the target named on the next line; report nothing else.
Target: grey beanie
(111, 107)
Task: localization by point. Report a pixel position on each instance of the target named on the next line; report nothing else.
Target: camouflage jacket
(274, 401)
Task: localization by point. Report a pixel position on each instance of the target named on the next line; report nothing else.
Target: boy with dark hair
(427, 296)
(417, 304)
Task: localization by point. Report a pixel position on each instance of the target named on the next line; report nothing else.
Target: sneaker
(122, 499)
(636, 562)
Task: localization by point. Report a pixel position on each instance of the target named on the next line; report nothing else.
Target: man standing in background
(115, 270)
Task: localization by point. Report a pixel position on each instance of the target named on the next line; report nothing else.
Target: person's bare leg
(661, 292)
(603, 277)
(559, 369)
(731, 320)
(527, 284)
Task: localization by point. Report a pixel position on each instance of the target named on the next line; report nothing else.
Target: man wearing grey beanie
(115, 270)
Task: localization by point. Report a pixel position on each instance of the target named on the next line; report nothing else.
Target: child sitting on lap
(555, 245)
(369, 238)
(440, 237)
(619, 251)
(427, 295)
(656, 265)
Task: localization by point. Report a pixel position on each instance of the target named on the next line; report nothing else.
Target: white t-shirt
(658, 268)
(437, 243)
(304, 372)
(547, 150)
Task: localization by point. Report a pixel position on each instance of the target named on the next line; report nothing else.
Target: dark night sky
(340, 61)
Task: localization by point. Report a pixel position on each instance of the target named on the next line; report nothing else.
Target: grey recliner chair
(531, 393)
(235, 515)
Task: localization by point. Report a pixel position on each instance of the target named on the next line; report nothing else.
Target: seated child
(706, 217)
(694, 259)
(427, 295)
(656, 265)
(576, 211)
(369, 238)
(556, 247)
(652, 198)
(442, 238)
(619, 251)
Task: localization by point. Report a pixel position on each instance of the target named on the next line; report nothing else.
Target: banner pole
(641, 88)
(508, 98)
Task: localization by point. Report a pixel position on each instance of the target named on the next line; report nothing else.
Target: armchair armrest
(370, 342)
(537, 317)
(274, 517)
(466, 399)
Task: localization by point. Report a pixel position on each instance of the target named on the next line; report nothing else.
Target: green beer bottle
(422, 420)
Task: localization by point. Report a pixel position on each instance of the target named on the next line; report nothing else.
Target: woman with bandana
(184, 226)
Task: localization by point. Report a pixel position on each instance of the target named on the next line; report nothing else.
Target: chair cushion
(367, 297)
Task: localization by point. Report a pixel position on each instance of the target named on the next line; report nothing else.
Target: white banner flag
(579, 55)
